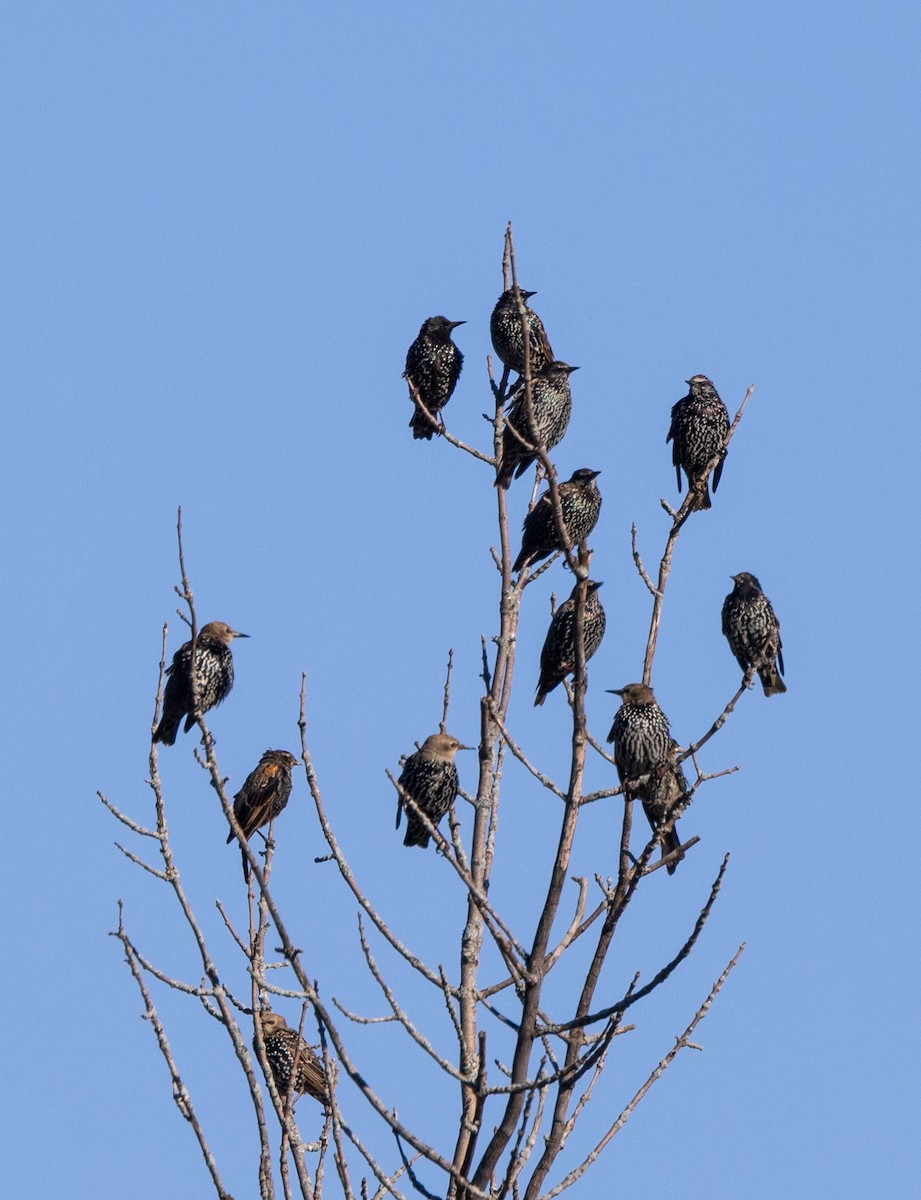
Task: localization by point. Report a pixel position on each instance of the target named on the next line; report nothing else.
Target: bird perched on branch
(580, 505)
(429, 779)
(507, 339)
(753, 632)
(551, 402)
(643, 748)
(287, 1052)
(558, 656)
(263, 795)
(433, 367)
(213, 676)
(698, 432)
(667, 786)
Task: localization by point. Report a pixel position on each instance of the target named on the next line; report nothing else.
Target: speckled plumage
(433, 367)
(213, 673)
(643, 746)
(558, 656)
(506, 334)
(263, 796)
(429, 778)
(551, 401)
(283, 1046)
(580, 504)
(753, 632)
(698, 432)
(666, 787)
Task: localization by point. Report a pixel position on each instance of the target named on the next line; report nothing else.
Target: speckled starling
(433, 367)
(551, 400)
(643, 746)
(429, 778)
(507, 340)
(667, 786)
(263, 795)
(580, 504)
(283, 1048)
(698, 431)
(213, 674)
(753, 632)
(558, 656)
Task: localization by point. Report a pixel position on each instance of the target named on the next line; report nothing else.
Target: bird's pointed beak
(454, 324)
(236, 634)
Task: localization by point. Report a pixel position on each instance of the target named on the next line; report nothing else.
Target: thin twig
(447, 693)
(681, 1043)
(180, 1093)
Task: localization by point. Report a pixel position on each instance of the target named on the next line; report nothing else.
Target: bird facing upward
(262, 797)
(283, 1048)
(433, 367)
(213, 675)
(429, 779)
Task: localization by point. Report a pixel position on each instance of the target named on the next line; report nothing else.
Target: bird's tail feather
(770, 680)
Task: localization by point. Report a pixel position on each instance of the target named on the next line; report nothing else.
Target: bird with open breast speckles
(429, 779)
(264, 794)
(558, 656)
(551, 404)
(643, 747)
(433, 367)
(283, 1048)
(580, 506)
(753, 632)
(213, 677)
(507, 338)
(698, 432)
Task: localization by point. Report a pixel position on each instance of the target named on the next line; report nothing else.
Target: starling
(558, 657)
(433, 367)
(283, 1045)
(213, 674)
(263, 796)
(667, 787)
(699, 427)
(551, 401)
(507, 340)
(753, 632)
(429, 778)
(580, 503)
(643, 746)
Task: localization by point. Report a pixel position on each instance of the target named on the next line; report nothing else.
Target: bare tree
(526, 1064)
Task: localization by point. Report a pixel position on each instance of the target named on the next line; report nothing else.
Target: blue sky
(223, 225)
